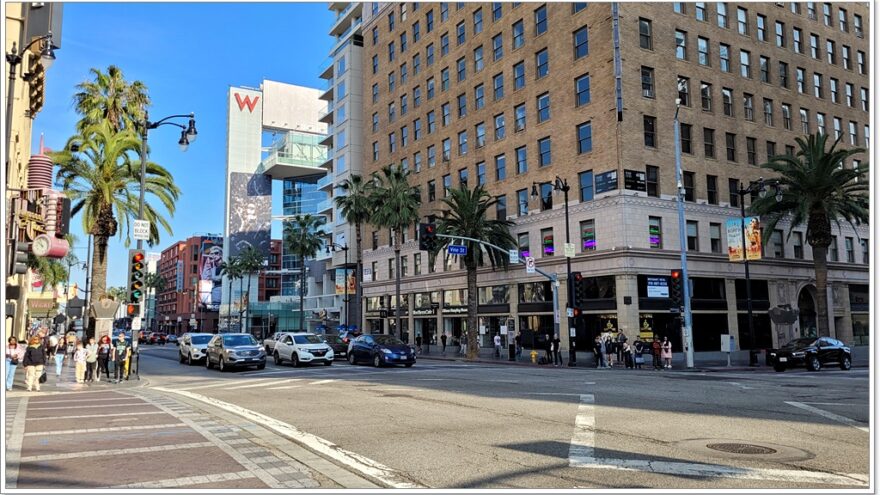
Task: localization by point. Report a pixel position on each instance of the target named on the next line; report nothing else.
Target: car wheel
(181, 358)
(295, 359)
(845, 363)
(208, 362)
(779, 368)
(277, 358)
(351, 359)
(409, 365)
(328, 363)
(813, 363)
(268, 351)
(377, 361)
(222, 364)
(261, 366)
(189, 359)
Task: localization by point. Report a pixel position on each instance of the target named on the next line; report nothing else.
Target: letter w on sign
(246, 102)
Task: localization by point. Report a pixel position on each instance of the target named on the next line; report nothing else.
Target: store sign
(635, 180)
(425, 312)
(658, 287)
(606, 181)
(455, 310)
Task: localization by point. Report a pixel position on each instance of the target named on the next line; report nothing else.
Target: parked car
(193, 347)
(172, 339)
(813, 353)
(302, 348)
(269, 342)
(339, 346)
(348, 336)
(143, 336)
(157, 338)
(234, 350)
(381, 350)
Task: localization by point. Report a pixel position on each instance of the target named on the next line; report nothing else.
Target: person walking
(599, 351)
(57, 352)
(418, 344)
(79, 358)
(548, 348)
(638, 349)
(627, 356)
(14, 355)
(34, 360)
(518, 343)
(121, 353)
(443, 341)
(91, 359)
(655, 352)
(71, 346)
(609, 352)
(497, 341)
(620, 340)
(557, 352)
(104, 351)
(666, 353)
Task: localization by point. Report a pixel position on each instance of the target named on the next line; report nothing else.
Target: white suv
(193, 347)
(299, 348)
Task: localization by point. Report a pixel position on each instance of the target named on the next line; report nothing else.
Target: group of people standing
(609, 350)
(90, 359)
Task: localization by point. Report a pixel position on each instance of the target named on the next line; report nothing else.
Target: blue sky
(188, 54)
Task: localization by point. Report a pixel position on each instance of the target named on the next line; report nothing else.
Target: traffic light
(675, 289)
(427, 236)
(132, 310)
(19, 257)
(578, 293)
(137, 271)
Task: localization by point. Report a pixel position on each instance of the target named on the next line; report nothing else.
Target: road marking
(740, 385)
(87, 407)
(285, 388)
(92, 416)
(78, 400)
(115, 452)
(355, 461)
(102, 430)
(829, 415)
(13, 447)
(212, 385)
(259, 382)
(553, 393)
(830, 404)
(321, 382)
(583, 438)
(186, 481)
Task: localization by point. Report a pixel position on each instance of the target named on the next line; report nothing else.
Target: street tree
(356, 208)
(108, 96)
(231, 269)
(396, 207)
(302, 240)
(465, 215)
(816, 189)
(251, 261)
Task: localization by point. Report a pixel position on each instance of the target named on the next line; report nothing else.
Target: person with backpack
(34, 360)
(104, 351)
(14, 355)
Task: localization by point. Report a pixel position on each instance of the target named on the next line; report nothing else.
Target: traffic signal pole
(686, 329)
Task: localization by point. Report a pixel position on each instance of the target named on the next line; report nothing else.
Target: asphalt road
(453, 425)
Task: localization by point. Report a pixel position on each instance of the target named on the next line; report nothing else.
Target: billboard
(340, 282)
(735, 238)
(210, 278)
(250, 212)
(658, 287)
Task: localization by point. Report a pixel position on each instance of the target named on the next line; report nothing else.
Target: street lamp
(760, 187)
(342, 247)
(560, 184)
(14, 58)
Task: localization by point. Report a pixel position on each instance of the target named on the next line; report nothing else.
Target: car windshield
(307, 339)
(235, 340)
(797, 343)
(333, 339)
(386, 340)
(200, 339)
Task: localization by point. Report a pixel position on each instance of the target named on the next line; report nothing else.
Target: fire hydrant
(534, 356)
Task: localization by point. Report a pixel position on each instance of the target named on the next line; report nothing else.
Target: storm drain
(741, 448)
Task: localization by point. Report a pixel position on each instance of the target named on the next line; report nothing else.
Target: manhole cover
(741, 448)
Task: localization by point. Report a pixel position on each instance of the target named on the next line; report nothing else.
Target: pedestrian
(557, 352)
(443, 341)
(621, 339)
(79, 358)
(655, 352)
(58, 352)
(609, 352)
(627, 356)
(599, 351)
(71, 346)
(91, 359)
(104, 351)
(34, 360)
(518, 342)
(121, 353)
(14, 355)
(548, 351)
(666, 353)
(497, 342)
(418, 344)
(638, 349)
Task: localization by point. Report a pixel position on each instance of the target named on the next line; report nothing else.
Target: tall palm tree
(356, 208)
(102, 178)
(466, 216)
(231, 269)
(395, 206)
(816, 190)
(117, 293)
(52, 271)
(251, 261)
(302, 239)
(110, 97)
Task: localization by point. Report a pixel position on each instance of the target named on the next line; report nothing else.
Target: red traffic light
(137, 257)
(429, 228)
(132, 309)
(577, 276)
(676, 273)
(576, 312)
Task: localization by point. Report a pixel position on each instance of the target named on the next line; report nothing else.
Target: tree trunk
(302, 295)
(99, 269)
(473, 329)
(229, 307)
(358, 279)
(397, 328)
(820, 261)
(240, 303)
(247, 310)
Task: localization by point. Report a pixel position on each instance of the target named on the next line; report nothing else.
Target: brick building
(510, 95)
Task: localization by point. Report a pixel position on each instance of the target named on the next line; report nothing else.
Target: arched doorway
(807, 311)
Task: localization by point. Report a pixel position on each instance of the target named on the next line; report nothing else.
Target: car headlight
(798, 354)
(386, 351)
(772, 354)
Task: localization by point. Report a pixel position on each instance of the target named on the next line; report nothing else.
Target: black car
(381, 350)
(813, 353)
(339, 346)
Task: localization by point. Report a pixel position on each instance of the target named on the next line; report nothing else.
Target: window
(581, 45)
(497, 48)
(742, 21)
(463, 177)
(703, 51)
(721, 10)
(588, 235)
(518, 34)
(416, 30)
(693, 240)
(817, 85)
(444, 11)
(501, 207)
(805, 121)
(546, 199)
(646, 37)
(375, 150)
(786, 116)
(678, 7)
(519, 113)
(479, 97)
(582, 90)
(853, 134)
(689, 186)
(522, 164)
(838, 127)
(499, 126)
(444, 44)
(481, 134)
(403, 105)
(432, 156)
(771, 150)
(462, 105)
(749, 107)
(375, 238)
(375, 122)
(797, 37)
(417, 129)
(835, 90)
(780, 34)
(522, 197)
(768, 112)
(829, 51)
(811, 10)
(444, 82)
(762, 27)
(462, 143)
(585, 138)
(585, 180)
(709, 142)
(733, 190)
(847, 60)
(522, 242)
(730, 143)
(519, 75)
(795, 8)
(417, 64)
(841, 16)
(543, 101)
(403, 73)
(375, 36)
(544, 152)
(857, 25)
(391, 52)
(461, 69)
(700, 11)
(863, 96)
(866, 257)
(751, 151)
(432, 122)
(375, 64)
(500, 167)
(712, 189)
(391, 112)
(724, 57)
(798, 244)
(391, 22)
(478, 58)
(417, 161)
(655, 232)
(429, 54)
(496, 11)
(832, 249)
(460, 33)
(764, 66)
(680, 45)
(542, 63)
(447, 185)
(745, 64)
(826, 12)
(498, 86)
(814, 46)
(391, 81)
(578, 6)
(686, 139)
(652, 175)
(715, 237)
(541, 20)
(650, 130)
(404, 136)
(849, 94)
(647, 82)
(446, 147)
(478, 21)
(684, 90)
(800, 77)
(727, 101)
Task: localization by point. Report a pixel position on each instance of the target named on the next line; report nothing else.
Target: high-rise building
(513, 95)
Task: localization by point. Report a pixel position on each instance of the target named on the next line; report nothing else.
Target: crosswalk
(253, 383)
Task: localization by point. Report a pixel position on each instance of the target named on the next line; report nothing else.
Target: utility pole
(687, 336)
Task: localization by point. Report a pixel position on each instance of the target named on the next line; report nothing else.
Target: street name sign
(456, 250)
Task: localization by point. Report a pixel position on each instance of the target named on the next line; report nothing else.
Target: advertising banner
(735, 239)
(658, 287)
(250, 212)
(210, 279)
(340, 282)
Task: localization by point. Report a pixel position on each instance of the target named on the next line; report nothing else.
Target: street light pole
(688, 338)
(343, 247)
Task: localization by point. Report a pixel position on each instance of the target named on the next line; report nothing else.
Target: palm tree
(302, 239)
(356, 208)
(52, 271)
(110, 97)
(396, 207)
(231, 269)
(466, 217)
(99, 171)
(816, 190)
(251, 262)
(117, 293)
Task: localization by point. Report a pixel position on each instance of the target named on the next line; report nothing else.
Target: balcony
(327, 140)
(343, 23)
(295, 155)
(325, 183)
(327, 95)
(325, 207)
(326, 116)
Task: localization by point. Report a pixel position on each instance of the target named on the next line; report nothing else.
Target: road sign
(141, 230)
(514, 255)
(530, 264)
(192, 322)
(568, 250)
(569, 312)
(456, 250)
(135, 323)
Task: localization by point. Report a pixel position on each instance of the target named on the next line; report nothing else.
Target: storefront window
(454, 297)
(374, 303)
(534, 330)
(588, 235)
(860, 329)
(497, 294)
(547, 242)
(425, 299)
(531, 292)
(600, 287)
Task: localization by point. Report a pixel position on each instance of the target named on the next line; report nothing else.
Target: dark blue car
(381, 350)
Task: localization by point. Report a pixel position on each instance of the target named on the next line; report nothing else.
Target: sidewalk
(67, 383)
